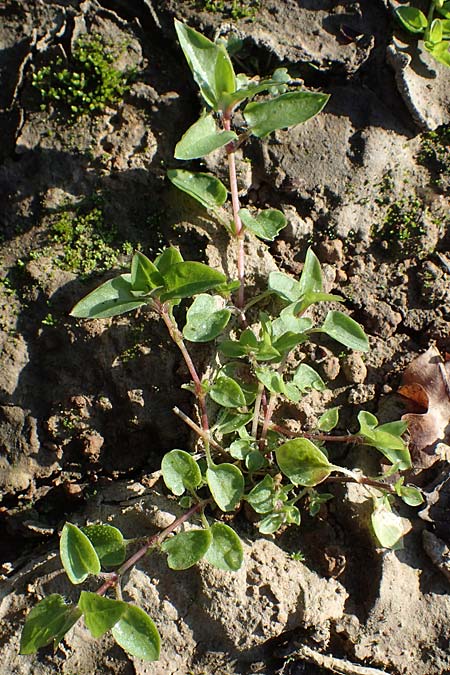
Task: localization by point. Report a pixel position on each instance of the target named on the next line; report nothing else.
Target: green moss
(403, 227)
(86, 82)
(435, 154)
(235, 9)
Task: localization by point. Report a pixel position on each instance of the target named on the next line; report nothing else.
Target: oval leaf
(328, 421)
(201, 139)
(266, 225)
(206, 318)
(306, 378)
(100, 614)
(136, 633)
(345, 330)
(262, 497)
(226, 483)
(226, 392)
(203, 187)
(108, 543)
(284, 286)
(78, 555)
(225, 551)
(271, 523)
(283, 111)
(303, 463)
(180, 472)
(388, 527)
(112, 298)
(169, 257)
(186, 548)
(185, 279)
(414, 20)
(47, 622)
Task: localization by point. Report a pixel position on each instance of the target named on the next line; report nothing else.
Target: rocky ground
(86, 407)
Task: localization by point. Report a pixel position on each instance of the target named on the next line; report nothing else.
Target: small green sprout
(435, 32)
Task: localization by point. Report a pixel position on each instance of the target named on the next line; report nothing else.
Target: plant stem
(187, 420)
(351, 438)
(257, 409)
(363, 480)
(270, 407)
(199, 393)
(154, 540)
(238, 227)
(429, 20)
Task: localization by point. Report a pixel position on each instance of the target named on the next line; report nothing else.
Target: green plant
(236, 9)
(434, 32)
(86, 82)
(248, 455)
(403, 227)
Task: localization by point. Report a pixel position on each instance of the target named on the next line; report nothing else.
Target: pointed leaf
(112, 298)
(272, 380)
(186, 548)
(328, 421)
(284, 286)
(303, 463)
(203, 187)
(47, 622)
(144, 274)
(283, 111)
(306, 378)
(227, 392)
(100, 614)
(414, 20)
(271, 523)
(136, 633)
(225, 551)
(202, 138)
(266, 225)
(345, 330)
(186, 279)
(169, 257)
(78, 555)
(108, 542)
(311, 278)
(226, 483)
(180, 472)
(439, 51)
(209, 63)
(206, 318)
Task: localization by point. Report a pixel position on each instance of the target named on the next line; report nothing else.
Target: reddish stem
(363, 481)
(154, 540)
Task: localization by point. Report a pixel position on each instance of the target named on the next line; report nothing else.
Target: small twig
(198, 430)
(340, 666)
(362, 480)
(350, 438)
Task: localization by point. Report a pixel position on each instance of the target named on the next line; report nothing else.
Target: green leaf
(272, 380)
(388, 527)
(440, 52)
(112, 298)
(230, 421)
(186, 548)
(284, 286)
(313, 297)
(227, 392)
(169, 257)
(203, 187)
(271, 523)
(276, 85)
(180, 472)
(240, 449)
(386, 439)
(410, 495)
(292, 515)
(47, 622)
(444, 10)
(225, 551)
(311, 278)
(345, 330)
(108, 543)
(435, 32)
(262, 497)
(100, 614)
(283, 111)
(206, 318)
(255, 461)
(145, 276)
(328, 421)
(267, 224)
(303, 463)
(186, 279)
(136, 633)
(202, 138)
(78, 555)
(226, 484)
(412, 19)
(306, 378)
(209, 63)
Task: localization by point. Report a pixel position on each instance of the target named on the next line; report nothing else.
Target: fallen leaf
(426, 386)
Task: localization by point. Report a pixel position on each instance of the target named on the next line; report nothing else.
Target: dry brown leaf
(426, 386)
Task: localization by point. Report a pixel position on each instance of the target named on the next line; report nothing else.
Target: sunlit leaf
(226, 483)
(388, 527)
(262, 497)
(145, 276)
(206, 318)
(328, 421)
(186, 548)
(306, 378)
(112, 298)
(169, 257)
(345, 330)
(136, 633)
(225, 551)
(108, 542)
(272, 380)
(284, 286)
(303, 463)
(266, 225)
(439, 51)
(78, 555)
(47, 622)
(227, 392)
(202, 138)
(283, 111)
(203, 187)
(100, 614)
(271, 523)
(186, 279)
(311, 278)
(180, 472)
(411, 18)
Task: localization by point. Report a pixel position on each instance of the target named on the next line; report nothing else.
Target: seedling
(435, 32)
(245, 453)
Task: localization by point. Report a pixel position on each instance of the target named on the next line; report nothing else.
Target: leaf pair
(435, 32)
(219, 545)
(84, 551)
(386, 438)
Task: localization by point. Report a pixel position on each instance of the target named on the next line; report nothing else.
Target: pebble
(331, 251)
(354, 369)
